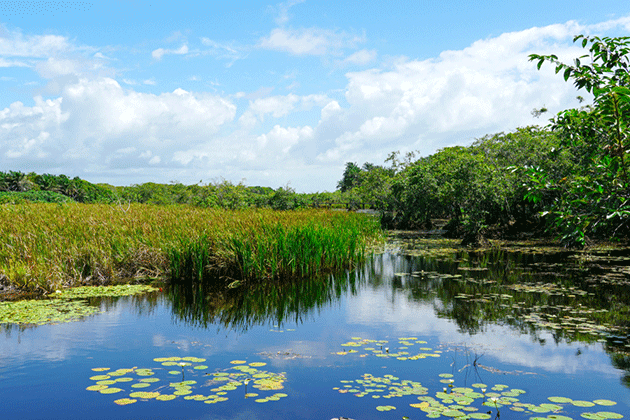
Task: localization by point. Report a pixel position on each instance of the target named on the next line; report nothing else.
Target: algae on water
(65, 306)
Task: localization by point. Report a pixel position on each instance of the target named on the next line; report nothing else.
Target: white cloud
(283, 12)
(279, 106)
(281, 139)
(54, 67)
(161, 52)
(33, 46)
(95, 122)
(487, 87)
(309, 41)
(12, 63)
(361, 57)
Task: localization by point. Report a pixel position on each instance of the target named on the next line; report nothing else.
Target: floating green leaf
(110, 390)
(144, 395)
(604, 402)
(579, 403)
(609, 415)
(560, 399)
(125, 401)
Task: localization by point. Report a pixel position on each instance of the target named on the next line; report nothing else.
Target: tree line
(18, 187)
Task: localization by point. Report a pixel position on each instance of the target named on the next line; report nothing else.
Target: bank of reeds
(48, 246)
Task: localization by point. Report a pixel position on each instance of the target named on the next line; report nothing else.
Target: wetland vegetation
(314, 305)
(47, 247)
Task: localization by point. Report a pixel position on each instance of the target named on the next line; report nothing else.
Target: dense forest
(568, 178)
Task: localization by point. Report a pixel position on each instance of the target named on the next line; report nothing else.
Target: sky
(274, 94)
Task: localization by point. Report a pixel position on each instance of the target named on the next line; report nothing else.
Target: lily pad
(560, 399)
(110, 390)
(125, 401)
(609, 415)
(144, 395)
(453, 413)
(604, 402)
(579, 403)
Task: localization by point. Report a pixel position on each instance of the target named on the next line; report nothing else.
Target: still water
(493, 335)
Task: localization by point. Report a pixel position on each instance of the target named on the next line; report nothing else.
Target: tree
(351, 177)
(594, 198)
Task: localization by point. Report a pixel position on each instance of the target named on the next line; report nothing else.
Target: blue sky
(272, 94)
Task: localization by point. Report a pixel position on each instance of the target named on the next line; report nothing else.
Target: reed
(49, 246)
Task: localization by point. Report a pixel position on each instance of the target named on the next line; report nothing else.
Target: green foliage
(46, 247)
(350, 177)
(33, 196)
(367, 186)
(17, 187)
(591, 197)
(474, 186)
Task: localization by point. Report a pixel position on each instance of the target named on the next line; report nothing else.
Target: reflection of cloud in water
(59, 342)
(392, 308)
(307, 353)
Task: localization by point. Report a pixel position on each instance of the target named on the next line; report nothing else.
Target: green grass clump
(47, 247)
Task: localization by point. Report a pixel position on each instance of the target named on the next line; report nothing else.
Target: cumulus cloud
(487, 87)
(279, 106)
(97, 122)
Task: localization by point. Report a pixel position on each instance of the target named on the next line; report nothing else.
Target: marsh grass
(49, 246)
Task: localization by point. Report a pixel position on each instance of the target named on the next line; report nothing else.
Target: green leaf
(567, 74)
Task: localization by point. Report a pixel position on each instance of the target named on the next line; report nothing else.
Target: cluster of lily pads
(146, 384)
(64, 305)
(379, 348)
(477, 401)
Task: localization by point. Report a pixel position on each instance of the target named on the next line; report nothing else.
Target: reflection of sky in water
(396, 314)
(43, 366)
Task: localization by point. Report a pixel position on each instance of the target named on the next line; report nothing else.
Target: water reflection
(273, 303)
(506, 297)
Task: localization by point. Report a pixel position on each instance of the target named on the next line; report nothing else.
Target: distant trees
(17, 187)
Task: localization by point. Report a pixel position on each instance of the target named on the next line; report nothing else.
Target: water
(487, 317)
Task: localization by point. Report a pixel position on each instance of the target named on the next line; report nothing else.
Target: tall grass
(49, 246)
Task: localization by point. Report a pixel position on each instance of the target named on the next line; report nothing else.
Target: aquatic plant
(220, 382)
(64, 306)
(476, 401)
(45, 247)
(378, 348)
